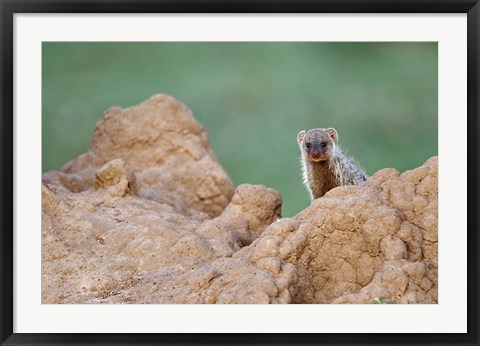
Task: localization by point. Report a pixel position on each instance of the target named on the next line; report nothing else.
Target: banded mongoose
(324, 165)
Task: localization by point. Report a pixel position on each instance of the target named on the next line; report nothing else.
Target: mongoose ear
(300, 136)
(333, 133)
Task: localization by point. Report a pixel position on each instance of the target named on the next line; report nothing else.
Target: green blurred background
(253, 98)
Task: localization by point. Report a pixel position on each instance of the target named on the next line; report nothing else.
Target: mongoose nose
(316, 154)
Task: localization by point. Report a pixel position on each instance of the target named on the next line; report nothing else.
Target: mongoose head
(317, 144)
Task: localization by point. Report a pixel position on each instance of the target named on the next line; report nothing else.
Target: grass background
(253, 99)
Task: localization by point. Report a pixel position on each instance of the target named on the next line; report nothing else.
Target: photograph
(240, 172)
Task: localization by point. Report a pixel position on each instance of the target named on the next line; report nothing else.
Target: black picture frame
(10, 7)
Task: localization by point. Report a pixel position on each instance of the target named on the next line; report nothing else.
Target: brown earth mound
(148, 215)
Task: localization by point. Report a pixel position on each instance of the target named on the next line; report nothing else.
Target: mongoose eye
(308, 145)
(324, 144)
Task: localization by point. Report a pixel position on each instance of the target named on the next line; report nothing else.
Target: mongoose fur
(324, 164)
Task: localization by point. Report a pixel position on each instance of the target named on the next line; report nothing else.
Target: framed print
(239, 172)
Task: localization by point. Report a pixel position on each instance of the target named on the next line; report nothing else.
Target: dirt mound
(168, 150)
(148, 215)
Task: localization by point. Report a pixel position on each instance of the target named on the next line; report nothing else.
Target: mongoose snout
(324, 164)
(316, 155)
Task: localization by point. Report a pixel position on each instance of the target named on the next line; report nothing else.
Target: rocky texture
(357, 243)
(158, 138)
(149, 216)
